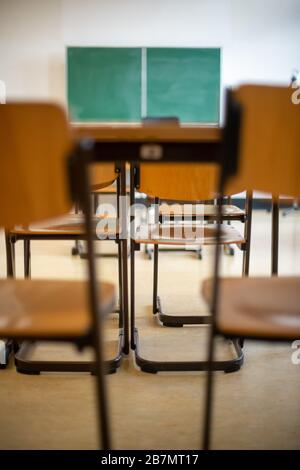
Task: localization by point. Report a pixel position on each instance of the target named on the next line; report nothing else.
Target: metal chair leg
(103, 420)
(10, 262)
(247, 234)
(209, 394)
(132, 293)
(27, 258)
(155, 278)
(125, 296)
(120, 275)
(95, 202)
(275, 236)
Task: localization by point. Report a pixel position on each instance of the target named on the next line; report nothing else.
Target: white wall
(260, 39)
(31, 48)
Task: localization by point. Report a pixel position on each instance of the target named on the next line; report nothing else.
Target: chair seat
(210, 211)
(48, 309)
(107, 189)
(186, 234)
(71, 224)
(258, 307)
(103, 187)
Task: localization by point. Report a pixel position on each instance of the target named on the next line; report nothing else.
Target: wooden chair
(171, 209)
(265, 126)
(35, 147)
(178, 187)
(70, 227)
(184, 182)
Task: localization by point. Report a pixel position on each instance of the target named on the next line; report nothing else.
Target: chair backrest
(177, 181)
(186, 182)
(34, 143)
(269, 147)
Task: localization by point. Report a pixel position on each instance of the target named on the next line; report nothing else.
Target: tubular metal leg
(101, 393)
(27, 258)
(247, 234)
(132, 293)
(95, 202)
(275, 236)
(155, 278)
(10, 262)
(209, 393)
(10, 271)
(120, 265)
(125, 296)
(120, 274)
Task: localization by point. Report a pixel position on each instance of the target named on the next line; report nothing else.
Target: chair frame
(153, 367)
(234, 118)
(22, 351)
(181, 320)
(162, 146)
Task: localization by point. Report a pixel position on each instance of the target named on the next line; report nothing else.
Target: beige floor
(256, 408)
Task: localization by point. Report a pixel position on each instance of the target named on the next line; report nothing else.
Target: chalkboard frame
(143, 85)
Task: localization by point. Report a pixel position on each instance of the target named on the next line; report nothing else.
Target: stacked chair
(37, 155)
(173, 213)
(71, 227)
(262, 150)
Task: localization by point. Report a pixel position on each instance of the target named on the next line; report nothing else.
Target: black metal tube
(155, 259)
(247, 232)
(120, 272)
(27, 258)
(132, 258)
(10, 268)
(124, 249)
(275, 236)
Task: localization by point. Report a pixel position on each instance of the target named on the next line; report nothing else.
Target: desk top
(138, 133)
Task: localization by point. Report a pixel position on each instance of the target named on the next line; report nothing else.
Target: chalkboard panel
(104, 83)
(184, 82)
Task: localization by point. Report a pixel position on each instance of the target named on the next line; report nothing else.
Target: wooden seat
(112, 189)
(209, 211)
(72, 224)
(46, 309)
(258, 307)
(162, 234)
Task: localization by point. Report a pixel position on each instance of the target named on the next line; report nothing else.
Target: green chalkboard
(104, 83)
(184, 82)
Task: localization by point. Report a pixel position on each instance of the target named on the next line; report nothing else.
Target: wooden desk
(156, 144)
(138, 133)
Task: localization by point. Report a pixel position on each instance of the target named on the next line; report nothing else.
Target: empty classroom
(149, 228)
